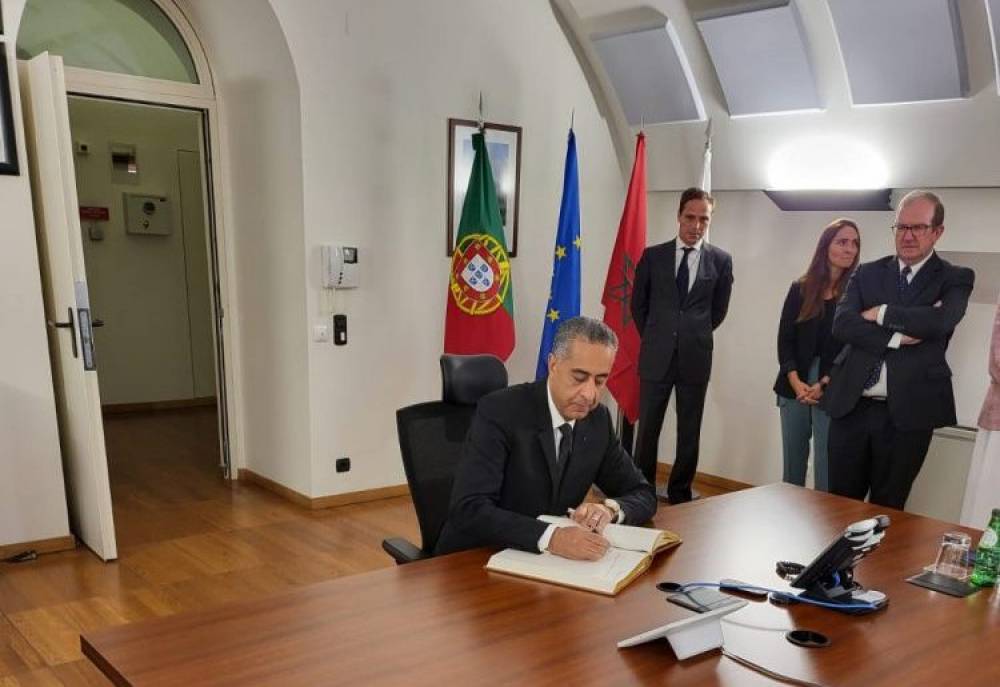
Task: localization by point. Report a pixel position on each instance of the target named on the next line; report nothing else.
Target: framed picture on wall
(503, 143)
(8, 151)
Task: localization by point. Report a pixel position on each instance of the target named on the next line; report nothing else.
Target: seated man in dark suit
(892, 386)
(537, 448)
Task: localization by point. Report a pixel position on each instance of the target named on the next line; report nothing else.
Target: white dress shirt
(694, 257)
(881, 387)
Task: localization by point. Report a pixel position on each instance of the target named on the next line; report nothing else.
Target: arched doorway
(153, 236)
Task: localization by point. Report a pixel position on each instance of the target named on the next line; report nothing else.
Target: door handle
(97, 323)
(70, 325)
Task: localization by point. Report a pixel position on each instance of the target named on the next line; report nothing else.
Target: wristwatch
(615, 509)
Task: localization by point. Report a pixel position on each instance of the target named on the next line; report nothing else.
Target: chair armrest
(402, 550)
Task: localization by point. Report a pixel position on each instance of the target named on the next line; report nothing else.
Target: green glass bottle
(988, 554)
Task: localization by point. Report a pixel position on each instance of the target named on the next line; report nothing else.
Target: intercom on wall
(147, 215)
(340, 266)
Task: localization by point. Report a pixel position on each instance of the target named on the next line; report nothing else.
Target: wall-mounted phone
(340, 266)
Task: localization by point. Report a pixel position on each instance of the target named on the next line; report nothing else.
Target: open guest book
(630, 554)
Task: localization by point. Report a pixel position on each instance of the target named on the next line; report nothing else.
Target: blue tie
(683, 276)
(901, 286)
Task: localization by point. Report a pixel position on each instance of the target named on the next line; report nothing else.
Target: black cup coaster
(808, 639)
(942, 583)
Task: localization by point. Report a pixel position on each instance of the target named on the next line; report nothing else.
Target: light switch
(322, 332)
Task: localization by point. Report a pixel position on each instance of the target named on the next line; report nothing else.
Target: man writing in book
(536, 449)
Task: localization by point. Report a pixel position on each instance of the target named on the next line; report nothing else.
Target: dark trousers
(868, 454)
(653, 399)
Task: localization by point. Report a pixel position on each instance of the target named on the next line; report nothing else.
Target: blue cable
(787, 595)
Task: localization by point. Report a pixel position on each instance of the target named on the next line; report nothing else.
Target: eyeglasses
(917, 230)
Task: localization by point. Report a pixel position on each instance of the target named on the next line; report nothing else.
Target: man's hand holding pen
(592, 516)
(584, 542)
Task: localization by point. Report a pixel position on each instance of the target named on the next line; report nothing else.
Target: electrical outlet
(343, 464)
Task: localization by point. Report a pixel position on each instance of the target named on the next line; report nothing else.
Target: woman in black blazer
(806, 350)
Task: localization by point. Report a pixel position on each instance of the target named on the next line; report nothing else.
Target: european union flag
(564, 294)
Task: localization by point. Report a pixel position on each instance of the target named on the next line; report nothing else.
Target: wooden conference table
(447, 621)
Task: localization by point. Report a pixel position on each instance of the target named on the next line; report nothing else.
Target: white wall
(32, 499)
(262, 186)
(379, 81)
(151, 291)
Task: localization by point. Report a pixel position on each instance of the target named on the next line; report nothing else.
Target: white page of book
(619, 536)
(601, 574)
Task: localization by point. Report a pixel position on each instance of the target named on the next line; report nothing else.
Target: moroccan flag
(617, 299)
(480, 313)
(564, 293)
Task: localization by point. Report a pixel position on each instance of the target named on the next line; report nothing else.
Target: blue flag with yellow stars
(564, 294)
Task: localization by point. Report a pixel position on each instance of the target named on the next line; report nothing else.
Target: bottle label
(989, 540)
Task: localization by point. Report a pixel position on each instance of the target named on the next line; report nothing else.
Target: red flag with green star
(480, 313)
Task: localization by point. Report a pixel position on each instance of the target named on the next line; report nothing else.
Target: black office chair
(431, 436)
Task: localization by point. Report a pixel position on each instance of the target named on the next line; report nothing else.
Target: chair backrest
(467, 378)
(431, 436)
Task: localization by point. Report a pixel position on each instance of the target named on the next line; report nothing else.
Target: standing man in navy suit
(681, 294)
(892, 385)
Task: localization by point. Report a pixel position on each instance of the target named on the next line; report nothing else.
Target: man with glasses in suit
(892, 384)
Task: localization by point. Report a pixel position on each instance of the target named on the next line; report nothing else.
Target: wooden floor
(186, 540)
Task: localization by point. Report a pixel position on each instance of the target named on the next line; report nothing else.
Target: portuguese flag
(480, 313)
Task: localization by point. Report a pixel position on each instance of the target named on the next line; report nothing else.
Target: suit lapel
(706, 271)
(668, 287)
(890, 282)
(546, 435)
(923, 278)
(547, 439)
(670, 249)
(705, 262)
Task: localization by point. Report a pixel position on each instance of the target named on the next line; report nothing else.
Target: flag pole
(481, 122)
(706, 170)
(626, 433)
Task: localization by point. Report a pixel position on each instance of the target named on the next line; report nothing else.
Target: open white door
(67, 308)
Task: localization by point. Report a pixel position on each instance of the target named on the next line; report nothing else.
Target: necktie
(901, 286)
(566, 443)
(904, 280)
(683, 275)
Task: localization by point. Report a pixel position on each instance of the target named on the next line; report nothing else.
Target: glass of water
(953, 556)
